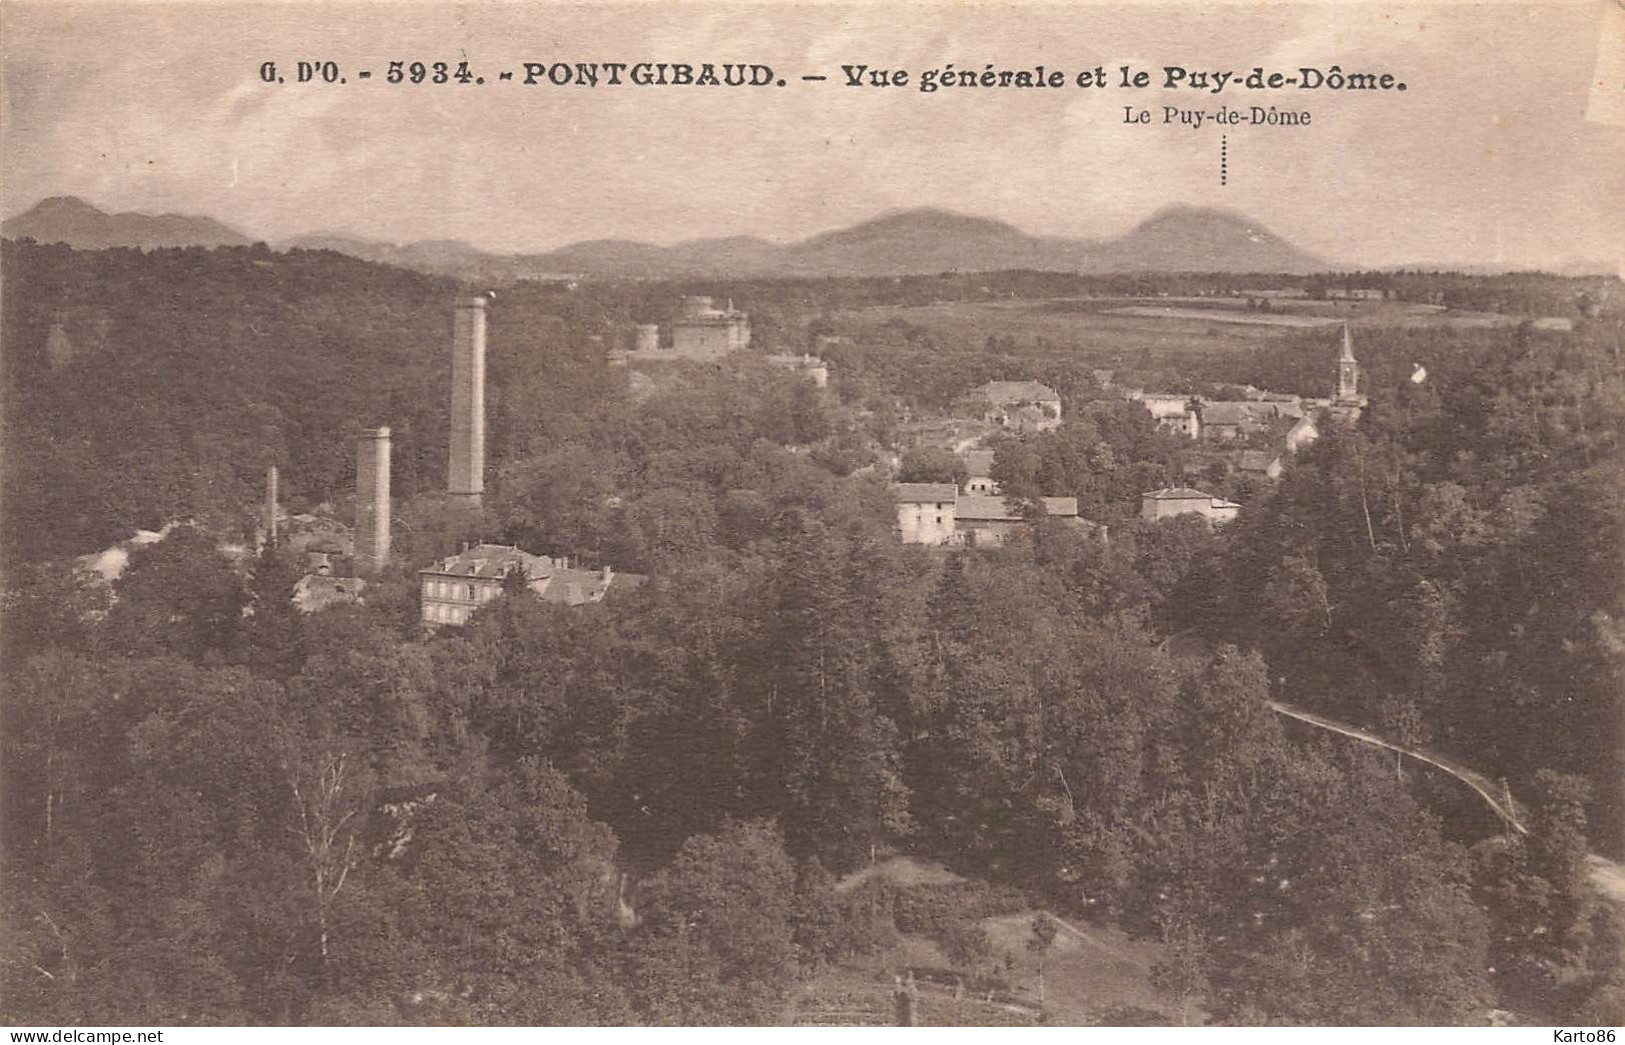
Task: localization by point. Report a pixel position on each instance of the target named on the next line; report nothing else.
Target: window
(471, 593)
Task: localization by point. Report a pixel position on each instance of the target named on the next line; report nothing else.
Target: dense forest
(218, 809)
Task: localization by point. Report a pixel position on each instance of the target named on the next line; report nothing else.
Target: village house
(1301, 434)
(1260, 463)
(1180, 414)
(1019, 406)
(1221, 420)
(925, 512)
(979, 472)
(1182, 500)
(938, 514)
(810, 367)
(454, 587)
(1231, 420)
(981, 522)
(1225, 420)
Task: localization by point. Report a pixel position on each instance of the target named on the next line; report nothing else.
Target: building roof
(1178, 493)
(925, 493)
(1236, 412)
(792, 359)
(573, 587)
(1005, 392)
(491, 562)
(978, 462)
(1160, 406)
(1257, 460)
(1030, 415)
(977, 508)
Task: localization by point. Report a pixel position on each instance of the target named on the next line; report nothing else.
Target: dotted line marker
(1224, 159)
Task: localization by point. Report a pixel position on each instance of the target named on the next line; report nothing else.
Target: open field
(1092, 331)
(1226, 315)
(1110, 329)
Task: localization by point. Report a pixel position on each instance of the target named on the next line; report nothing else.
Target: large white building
(937, 513)
(925, 512)
(1182, 500)
(453, 588)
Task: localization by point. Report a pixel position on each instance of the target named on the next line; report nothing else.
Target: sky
(1507, 148)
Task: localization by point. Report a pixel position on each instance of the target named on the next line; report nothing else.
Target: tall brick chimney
(466, 471)
(372, 499)
(270, 505)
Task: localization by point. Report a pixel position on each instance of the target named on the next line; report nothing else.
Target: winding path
(1607, 876)
(1473, 779)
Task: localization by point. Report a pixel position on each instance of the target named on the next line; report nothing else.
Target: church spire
(1348, 375)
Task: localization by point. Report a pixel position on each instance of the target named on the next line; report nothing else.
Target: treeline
(1450, 570)
(1518, 293)
(219, 810)
(145, 387)
(214, 818)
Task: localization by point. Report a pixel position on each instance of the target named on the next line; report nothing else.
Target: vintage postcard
(700, 513)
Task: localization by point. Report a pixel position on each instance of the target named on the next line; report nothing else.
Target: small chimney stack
(270, 506)
(372, 510)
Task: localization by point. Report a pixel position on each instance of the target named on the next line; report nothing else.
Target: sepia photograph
(716, 513)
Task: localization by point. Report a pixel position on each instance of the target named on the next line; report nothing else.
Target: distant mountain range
(70, 220)
(926, 241)
(905, 243)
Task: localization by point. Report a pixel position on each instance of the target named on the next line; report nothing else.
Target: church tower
(1348, 370)
(1346, 399)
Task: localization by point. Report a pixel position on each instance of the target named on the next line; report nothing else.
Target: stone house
(1182, 500)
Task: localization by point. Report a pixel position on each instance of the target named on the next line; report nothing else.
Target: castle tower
(1348, 371)
(465, 475)
(270, 505)
(372, 499)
